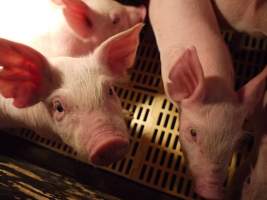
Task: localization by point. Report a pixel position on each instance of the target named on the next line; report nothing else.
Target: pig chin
(208, 180)
(209, 190)
(209, 187)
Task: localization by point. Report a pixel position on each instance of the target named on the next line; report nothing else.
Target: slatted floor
(155, 158)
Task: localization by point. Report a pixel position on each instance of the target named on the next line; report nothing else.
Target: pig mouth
(212, 189)
(107, 147)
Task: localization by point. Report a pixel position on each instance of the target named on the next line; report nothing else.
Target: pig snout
(208, 182)
(210, 188)
(142, 13)
(106, 148)
(138, 16)
(105, 137)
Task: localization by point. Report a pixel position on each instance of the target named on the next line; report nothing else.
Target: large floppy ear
(24, 74)
(186, 78)
(251, 94)
(118, 53)
(79, 16)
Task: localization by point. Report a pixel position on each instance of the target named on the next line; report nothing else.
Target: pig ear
(252, 93)
(186, 78)
(78, 16)
(22, 74)
(118, 52)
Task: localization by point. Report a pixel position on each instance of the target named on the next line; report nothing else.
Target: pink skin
(70, 97)
(197, 73)
(108, 142)
(66, 27)
(247, 16)
(108, 149)
(31, 77)
(255, 185)
(249, 183)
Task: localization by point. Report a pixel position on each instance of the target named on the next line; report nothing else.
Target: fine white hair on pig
(93, 79)
(198, 76)
(66, 27)
(218, 145)
(72, 97)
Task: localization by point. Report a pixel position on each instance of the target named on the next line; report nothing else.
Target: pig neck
(35, 117)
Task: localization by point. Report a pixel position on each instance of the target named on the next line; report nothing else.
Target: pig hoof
(109, 151)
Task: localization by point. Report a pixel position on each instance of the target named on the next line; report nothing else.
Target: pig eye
(58, 106)
(193, 132)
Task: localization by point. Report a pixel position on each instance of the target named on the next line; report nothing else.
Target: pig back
(179, 24)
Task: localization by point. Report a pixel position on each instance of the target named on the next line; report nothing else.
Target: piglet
(71, 97)
(65, 27)
(244, 15)
(198, 76)
(250, 180)
(255, 185)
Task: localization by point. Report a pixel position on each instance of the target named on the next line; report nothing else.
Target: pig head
(72, 97)
(66, 27)
(211, 119)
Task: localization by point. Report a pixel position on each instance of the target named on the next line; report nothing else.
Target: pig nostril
(109, 151)
(142, 13)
